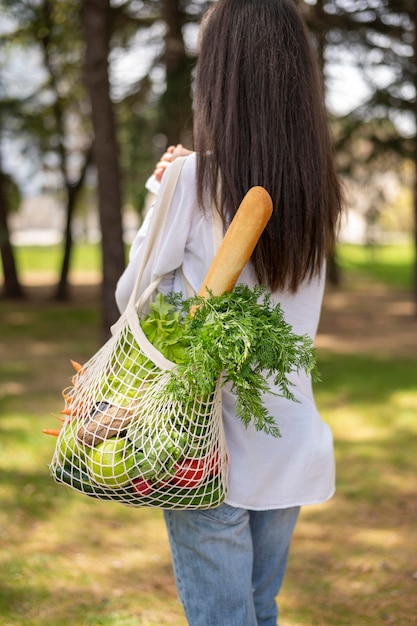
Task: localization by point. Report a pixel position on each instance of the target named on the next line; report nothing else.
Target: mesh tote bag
(127, 435)
(122, 439)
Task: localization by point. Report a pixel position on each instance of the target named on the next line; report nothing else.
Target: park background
(120, 73)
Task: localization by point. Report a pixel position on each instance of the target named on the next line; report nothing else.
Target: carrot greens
(242, 337)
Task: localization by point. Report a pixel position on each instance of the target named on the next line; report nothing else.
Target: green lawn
(67, 560)
(391, 264)
(86, 257)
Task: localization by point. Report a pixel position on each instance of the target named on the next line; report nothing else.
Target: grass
(70, 561)
(352, 561)
(86, 257)
(391, 264)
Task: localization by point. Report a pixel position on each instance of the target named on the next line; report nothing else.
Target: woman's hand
(172, 153)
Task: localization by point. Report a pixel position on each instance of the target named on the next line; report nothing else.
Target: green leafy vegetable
(166, 329)
(240, 336)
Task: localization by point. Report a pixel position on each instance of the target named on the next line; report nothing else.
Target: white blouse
(265, 472)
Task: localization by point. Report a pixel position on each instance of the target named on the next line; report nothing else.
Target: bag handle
(171, 177)
(159, 218)
(156, 227)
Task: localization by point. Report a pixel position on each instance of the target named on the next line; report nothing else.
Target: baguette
(238, 243)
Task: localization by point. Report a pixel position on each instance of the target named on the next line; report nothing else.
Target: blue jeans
(229, 563)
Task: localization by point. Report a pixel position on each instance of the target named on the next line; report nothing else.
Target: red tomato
(141, 486)
(214, 464)
(189, 473)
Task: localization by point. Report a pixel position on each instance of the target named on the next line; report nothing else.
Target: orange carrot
(77, 366)
(74, 410)
(58, 417)
(51, 431)
(65, 395)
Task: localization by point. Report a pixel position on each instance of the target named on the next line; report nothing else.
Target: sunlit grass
(86, 257)
(75, 561)
(71, 561)
(390, 264)
(351, 561)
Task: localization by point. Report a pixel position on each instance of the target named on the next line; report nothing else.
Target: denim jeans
(229, 563)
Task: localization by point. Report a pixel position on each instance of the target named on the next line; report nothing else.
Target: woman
(259, 120)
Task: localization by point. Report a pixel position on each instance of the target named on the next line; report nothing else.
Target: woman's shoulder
(189, 166)
(185, 197)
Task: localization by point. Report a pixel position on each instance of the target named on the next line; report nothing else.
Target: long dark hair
(260, 119)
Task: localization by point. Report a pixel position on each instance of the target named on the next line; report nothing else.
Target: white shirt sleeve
(178, 244)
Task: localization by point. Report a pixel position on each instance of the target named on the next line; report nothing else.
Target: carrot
(58, 417)
(77, 366)
(51, 431)
(67, 396)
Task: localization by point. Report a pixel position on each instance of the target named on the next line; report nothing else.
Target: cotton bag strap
(156, 228)
(158, 222)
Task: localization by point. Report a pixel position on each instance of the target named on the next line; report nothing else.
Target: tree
(376, 35)
(156, 110)
(380, 39)
(96, 15)
(12, 286)
(48, 114)
(55, 61)
(53, 119)
(175, 108)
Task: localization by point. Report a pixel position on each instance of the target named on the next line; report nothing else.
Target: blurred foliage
(153, 52)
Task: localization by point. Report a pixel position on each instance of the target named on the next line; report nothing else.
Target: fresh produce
(244, 338)
(166, 329)
(142, 487)
(111, 463)
(157, 450)
(143, 435)
(129, 368)
(190, 473)
(203, 496)
(80, 481)
(105, 421)
(68, 446)
(54, 432)
(77, 366)
(240, 336)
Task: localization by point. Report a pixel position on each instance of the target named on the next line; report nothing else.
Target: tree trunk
(320, 26)
(175, 106)
(12, 286)
(415, 236)
(72, 194)
(414, 20)
(97, 22)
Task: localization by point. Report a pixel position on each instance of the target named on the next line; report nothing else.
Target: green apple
(109, 465)
(70, 449)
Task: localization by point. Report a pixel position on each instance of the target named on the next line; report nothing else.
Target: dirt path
(370, 319)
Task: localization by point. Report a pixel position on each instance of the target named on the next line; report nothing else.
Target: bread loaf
(239, 242)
